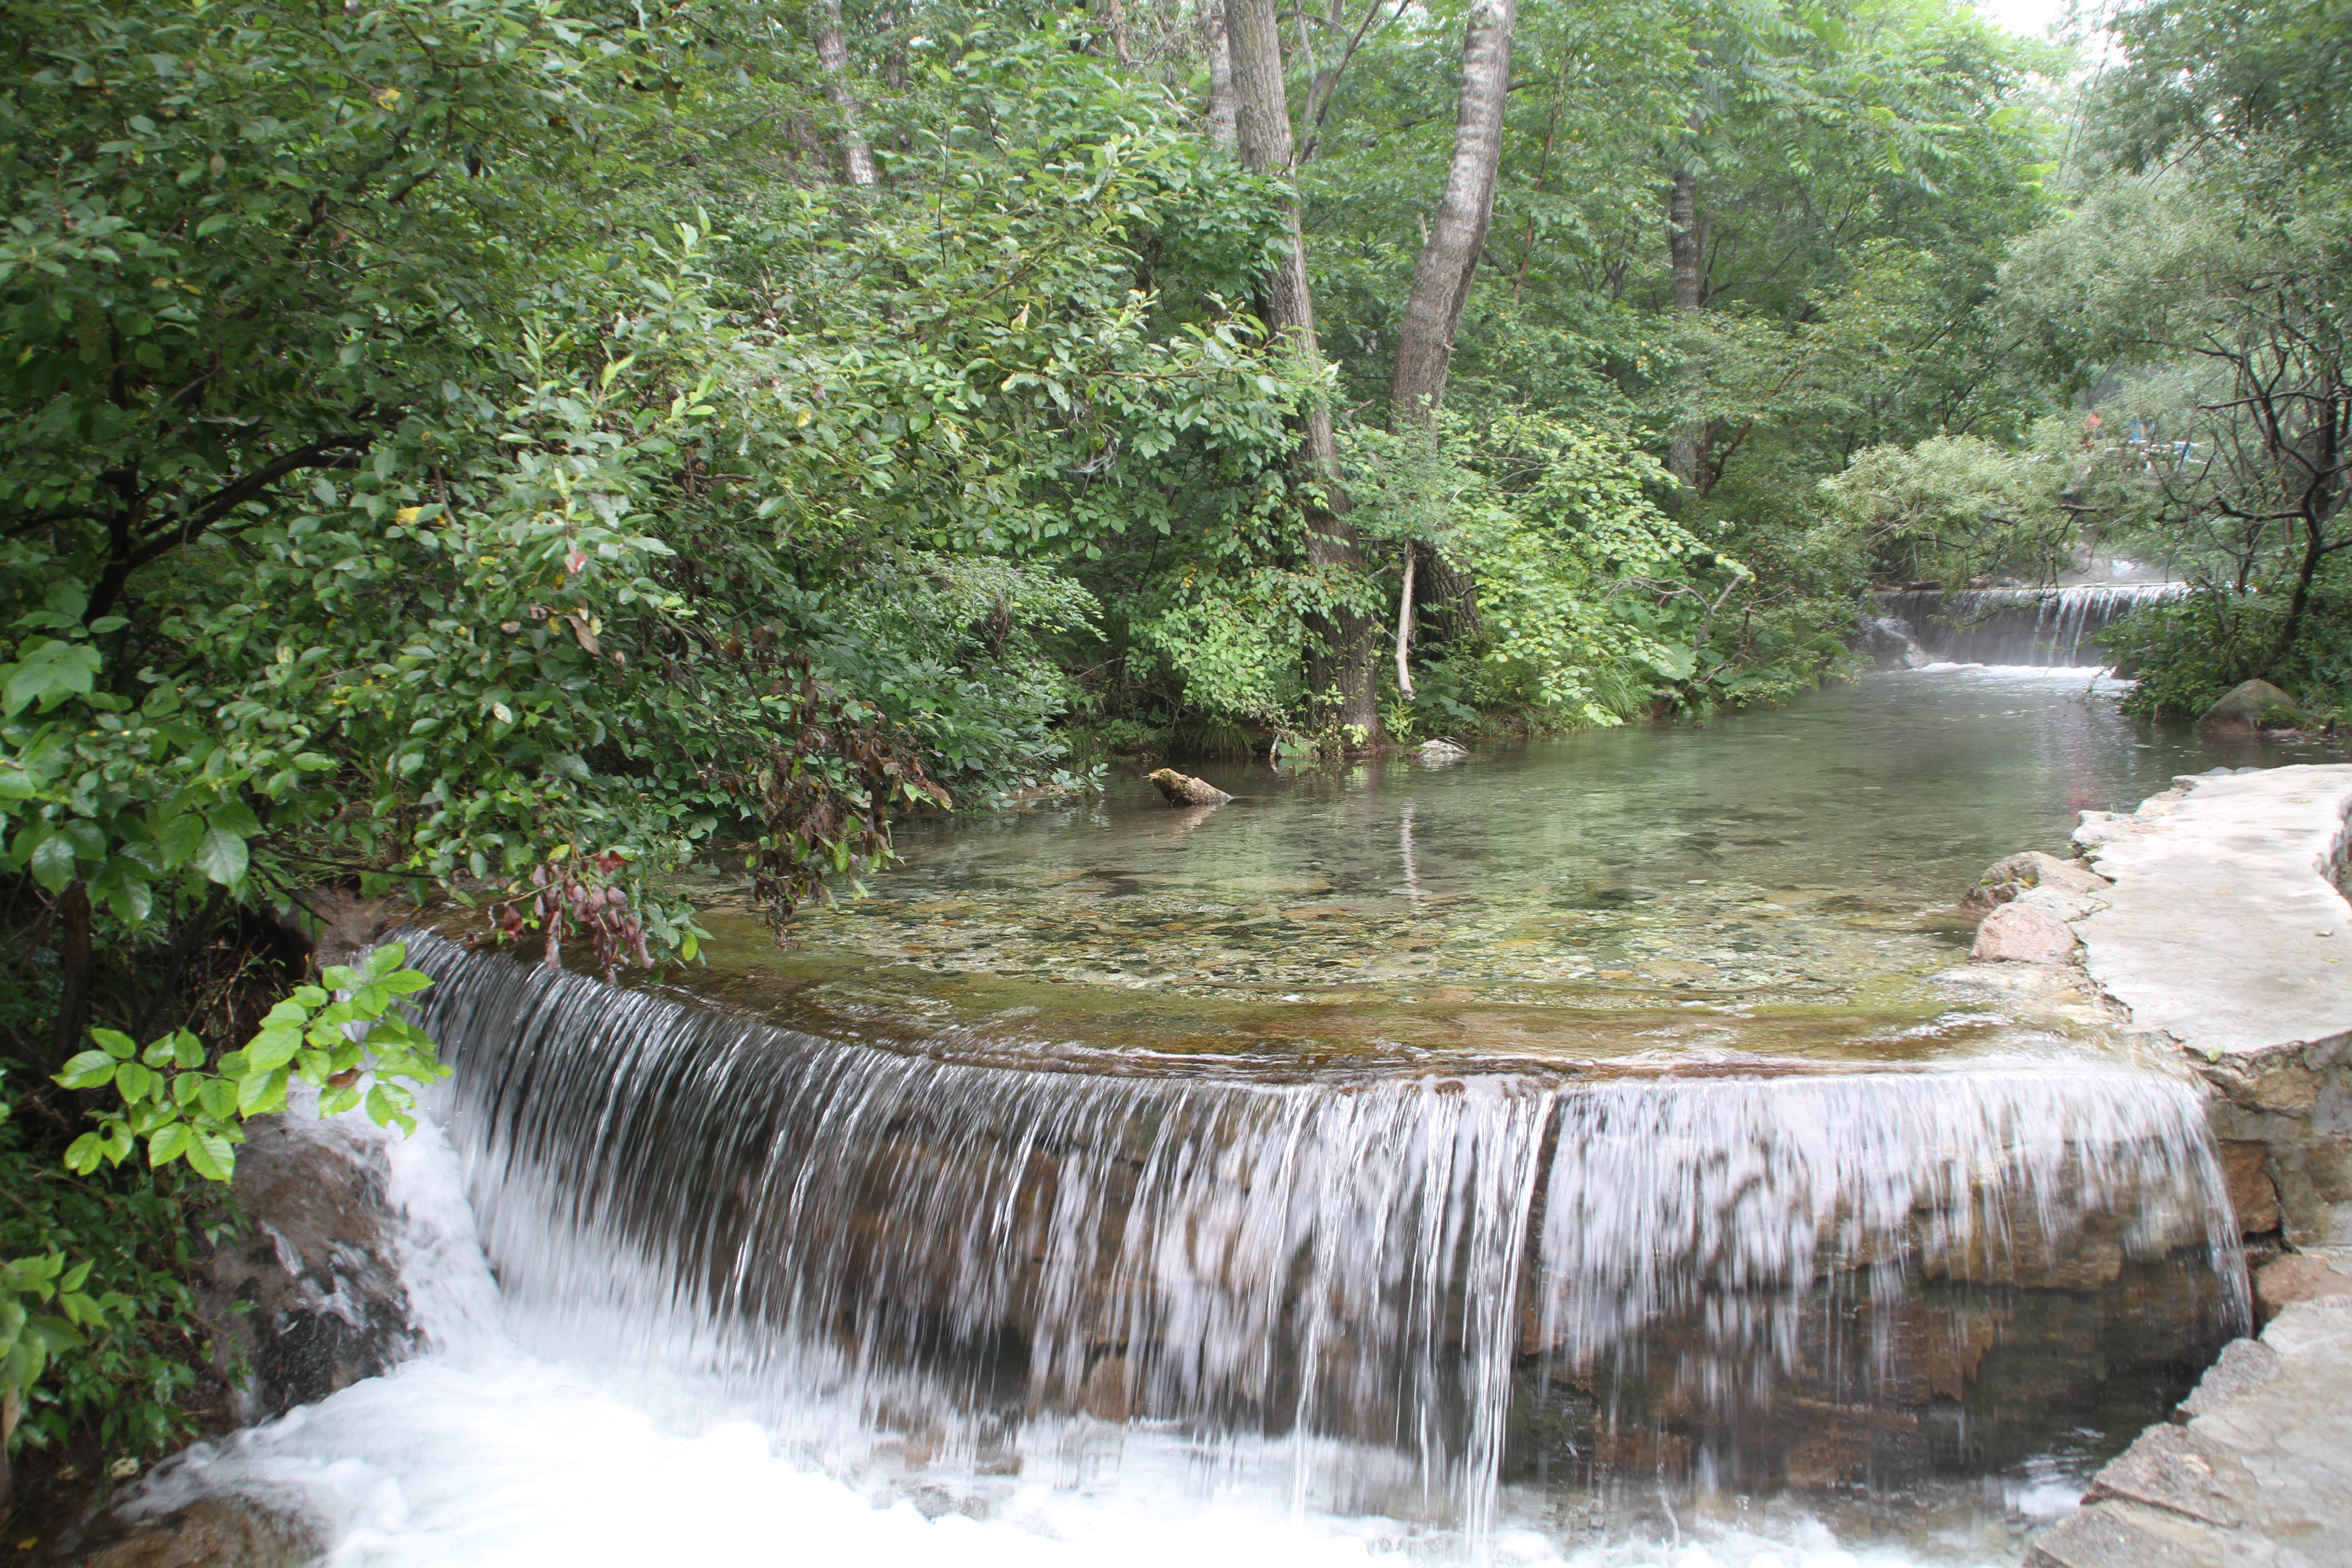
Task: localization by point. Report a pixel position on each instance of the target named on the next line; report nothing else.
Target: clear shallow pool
(1777, 884)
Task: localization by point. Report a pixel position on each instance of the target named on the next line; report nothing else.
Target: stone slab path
(2225, 928)
(2256, 1469)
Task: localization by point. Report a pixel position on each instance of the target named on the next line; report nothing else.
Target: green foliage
(326, 1036)
(97, 1326)
(1953, 508)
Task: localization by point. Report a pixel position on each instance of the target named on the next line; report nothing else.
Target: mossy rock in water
(2254, 705)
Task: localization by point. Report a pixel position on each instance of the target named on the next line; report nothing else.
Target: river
(1580, 1152)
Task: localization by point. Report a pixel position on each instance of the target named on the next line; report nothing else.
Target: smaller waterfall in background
(2044, 628)
(1398, 1294)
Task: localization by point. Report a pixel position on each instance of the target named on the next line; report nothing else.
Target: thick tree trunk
(833, 54)
(1449, 258)
(1264, 138)
(73, 969)
(1684, 248)
(1222, 109)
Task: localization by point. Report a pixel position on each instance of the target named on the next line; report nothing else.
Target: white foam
(476, 1455)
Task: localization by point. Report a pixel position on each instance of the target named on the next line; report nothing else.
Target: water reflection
(1774, 884)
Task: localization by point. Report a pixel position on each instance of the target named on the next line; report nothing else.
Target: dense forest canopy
(505, 449)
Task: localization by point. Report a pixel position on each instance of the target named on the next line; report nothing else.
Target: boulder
(1439, 750)
(210, 1533)
(2243, 711)
(2005, 879)
(315, 1260)
(2300, 1277)
(1183, 789)
(2020, 933)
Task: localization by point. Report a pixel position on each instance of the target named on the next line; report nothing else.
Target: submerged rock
(2023, 933)
(1183, 789)
(2245, 711)
(1440, 750)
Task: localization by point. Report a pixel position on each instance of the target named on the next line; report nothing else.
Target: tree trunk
(73, 969)
(1405, 622)
(1449, 258)
(833, 54)
(1447, 269)
(1222, 109)
(1115, 14)
(1684, 248)
(1263, 125)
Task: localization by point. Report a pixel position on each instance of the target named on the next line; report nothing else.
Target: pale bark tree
(1263, 125)
(1450, 256)
(1223, 110)
(833, 55)
(1457, 239)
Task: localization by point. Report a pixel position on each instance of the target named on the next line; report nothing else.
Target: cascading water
(2048, 627)
(1395, 1292)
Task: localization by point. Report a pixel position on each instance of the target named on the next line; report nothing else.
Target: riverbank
(2224, 934)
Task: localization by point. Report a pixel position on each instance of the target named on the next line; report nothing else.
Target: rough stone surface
(2300, 1277)
(2213, 931)
(2261, 1472)
(2240, 712)
(2020, 933)
(1183, 789)
(211, 1532)
(2254, 1195)
(2005, 879)
(314, 1260)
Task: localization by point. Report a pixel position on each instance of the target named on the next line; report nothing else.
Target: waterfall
(2052, 627)
(1393, 1291)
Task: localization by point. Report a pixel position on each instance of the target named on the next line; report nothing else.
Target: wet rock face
(315, 1261)
(211, 1532)
(2295, 1104)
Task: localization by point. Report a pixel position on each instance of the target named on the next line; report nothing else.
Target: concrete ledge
(2258, 1469)
(2226, 932)
(2225, 928)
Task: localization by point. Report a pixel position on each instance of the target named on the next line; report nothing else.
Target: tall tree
(1264, 143)
(1222, 109)
(1450, 256)
(833, 55)
(1440, 285)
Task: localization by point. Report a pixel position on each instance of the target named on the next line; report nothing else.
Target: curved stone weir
(2047, 628)
(1399, 1293)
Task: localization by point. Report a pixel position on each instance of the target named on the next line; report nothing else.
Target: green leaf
(221, 857)
(180, 839)
(272, 1049)
(90, 1070)
(212, 1157)
(116, 1043)
(168, 1144)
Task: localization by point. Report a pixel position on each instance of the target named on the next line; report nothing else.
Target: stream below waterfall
(1580, 1153)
